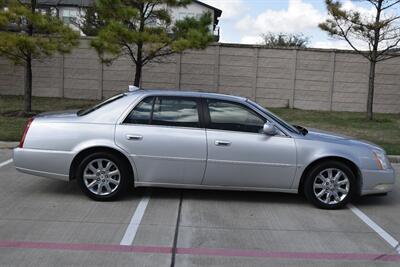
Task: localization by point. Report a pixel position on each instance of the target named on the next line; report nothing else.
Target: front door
(240, 155)
(163, 137)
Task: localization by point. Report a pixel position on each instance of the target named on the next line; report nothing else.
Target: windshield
(286, 125)
(83, 112)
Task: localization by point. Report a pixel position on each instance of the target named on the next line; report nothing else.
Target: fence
(300, 78)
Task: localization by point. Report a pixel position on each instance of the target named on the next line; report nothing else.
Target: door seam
(205, 167)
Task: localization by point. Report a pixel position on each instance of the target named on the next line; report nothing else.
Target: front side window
(169, 111)
(233, 117)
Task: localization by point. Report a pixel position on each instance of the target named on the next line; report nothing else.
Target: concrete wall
(306, 79)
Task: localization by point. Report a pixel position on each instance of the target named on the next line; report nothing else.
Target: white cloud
(365, 12)
(230, 9)
(298, 17)
(339, 44)
(251, 40)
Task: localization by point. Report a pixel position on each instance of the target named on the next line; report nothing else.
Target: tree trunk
(28, 68)
(139, 65)
(138, 74)
(28, 86)
(371, 87)
(139, 52)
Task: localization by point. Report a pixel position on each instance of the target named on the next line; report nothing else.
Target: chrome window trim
(140, 99)
(166, 126)
(247, 105)
(243, 102)
(283, 135)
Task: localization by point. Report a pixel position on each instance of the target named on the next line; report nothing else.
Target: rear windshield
(84, 112)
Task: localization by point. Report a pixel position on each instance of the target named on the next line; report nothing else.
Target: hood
(326, 136)
(58, 114)
(321, 134)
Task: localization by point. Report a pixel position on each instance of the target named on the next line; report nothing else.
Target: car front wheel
(101, 176)
(330, 185)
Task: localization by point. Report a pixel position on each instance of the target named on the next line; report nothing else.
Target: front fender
(309, 151)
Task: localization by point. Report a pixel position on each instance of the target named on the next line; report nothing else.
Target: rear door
(166, 140)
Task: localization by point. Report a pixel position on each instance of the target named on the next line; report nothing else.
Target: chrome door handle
(222, 143)
(134, 137)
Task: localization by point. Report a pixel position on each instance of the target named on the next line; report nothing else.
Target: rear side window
(84, 112)
(141, 114)
(233, 117)
(175, 112)
(168, 111)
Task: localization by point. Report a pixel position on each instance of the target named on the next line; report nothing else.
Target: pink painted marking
(202, 251)
(84, 247)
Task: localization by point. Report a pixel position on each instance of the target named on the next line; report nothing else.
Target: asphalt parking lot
(47, 222)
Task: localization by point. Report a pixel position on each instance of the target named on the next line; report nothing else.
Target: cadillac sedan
(150, 138)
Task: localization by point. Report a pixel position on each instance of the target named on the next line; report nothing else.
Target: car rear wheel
(102, 176)
(330, 185)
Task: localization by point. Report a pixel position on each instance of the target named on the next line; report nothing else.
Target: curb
(394, 158)
(8, 145)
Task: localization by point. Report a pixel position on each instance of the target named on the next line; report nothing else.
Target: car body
(214, 141)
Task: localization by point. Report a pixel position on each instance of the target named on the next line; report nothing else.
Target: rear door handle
(134, 137)
(222, 143)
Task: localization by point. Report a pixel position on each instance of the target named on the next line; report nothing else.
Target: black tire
(311, 176)
(123, 176)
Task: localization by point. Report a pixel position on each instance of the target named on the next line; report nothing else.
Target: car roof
(158, 92)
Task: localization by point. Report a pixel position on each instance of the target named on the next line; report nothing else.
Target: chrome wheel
(331, 186)
(101, 177)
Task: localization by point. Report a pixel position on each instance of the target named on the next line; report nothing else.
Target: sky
(244, 21)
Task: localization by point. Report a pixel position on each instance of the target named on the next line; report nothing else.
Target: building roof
(87, 3)
(70, 3)
(217, 12)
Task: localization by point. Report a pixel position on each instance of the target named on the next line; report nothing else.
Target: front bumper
(45, 163)
(377, 181)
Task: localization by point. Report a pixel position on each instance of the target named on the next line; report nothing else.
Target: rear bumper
(377, 181)
(45, 163)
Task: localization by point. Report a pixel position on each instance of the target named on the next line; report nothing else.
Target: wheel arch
(353, 166)
(90, 150)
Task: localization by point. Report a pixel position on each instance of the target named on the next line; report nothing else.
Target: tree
(287, 40)
(381, 33)
(27, 34)
(143, 31)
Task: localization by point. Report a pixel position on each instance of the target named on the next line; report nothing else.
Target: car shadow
(389, 199)
(64, 189)
(219, 195)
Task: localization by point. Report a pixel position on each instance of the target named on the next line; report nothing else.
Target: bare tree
(287, 40)
(380, 31)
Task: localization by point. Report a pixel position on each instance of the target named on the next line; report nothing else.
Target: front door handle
(134, 137)
(222, 143)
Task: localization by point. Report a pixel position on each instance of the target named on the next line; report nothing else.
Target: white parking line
(379, 230)
(133, 226)
(5, 163)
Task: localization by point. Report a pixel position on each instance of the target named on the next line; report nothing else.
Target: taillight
(28, 124)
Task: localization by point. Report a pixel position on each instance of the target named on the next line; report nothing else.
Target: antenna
(132, 88)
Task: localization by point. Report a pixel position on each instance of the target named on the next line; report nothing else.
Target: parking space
(47, 222)
(5, 155)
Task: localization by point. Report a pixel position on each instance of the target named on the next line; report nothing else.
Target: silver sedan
(150, 138)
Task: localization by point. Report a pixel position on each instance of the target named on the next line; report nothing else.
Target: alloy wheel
(101, 177)
(331, 186)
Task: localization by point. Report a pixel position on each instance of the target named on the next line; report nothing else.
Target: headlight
(381, 160)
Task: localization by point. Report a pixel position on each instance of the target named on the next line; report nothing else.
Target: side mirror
(269, 129)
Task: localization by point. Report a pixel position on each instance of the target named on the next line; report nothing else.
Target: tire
(337, 192)
(102, 176)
